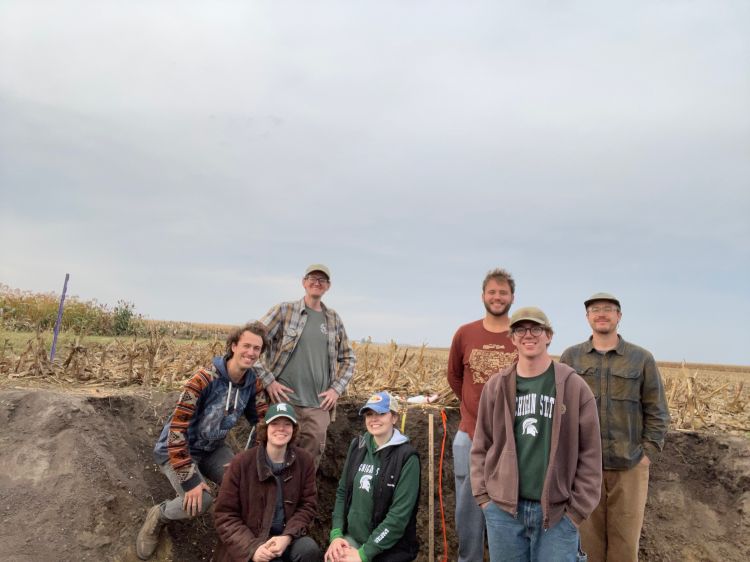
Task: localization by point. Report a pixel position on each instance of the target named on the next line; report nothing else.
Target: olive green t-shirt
(535, 402)
(307, 371)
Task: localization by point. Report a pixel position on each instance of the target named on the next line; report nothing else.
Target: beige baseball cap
(532, 314)
(601, 297)
(318, 267)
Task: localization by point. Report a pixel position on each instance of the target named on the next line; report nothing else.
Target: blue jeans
(469, 516)
(523, 538)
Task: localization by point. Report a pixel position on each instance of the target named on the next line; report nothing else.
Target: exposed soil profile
(77, 477)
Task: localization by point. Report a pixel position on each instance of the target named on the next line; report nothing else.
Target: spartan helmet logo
(281, 407)
(364, 484)
(529, 427)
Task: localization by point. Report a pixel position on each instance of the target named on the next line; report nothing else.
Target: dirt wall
(76, 479)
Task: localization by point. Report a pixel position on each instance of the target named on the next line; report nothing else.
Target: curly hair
(257, 328)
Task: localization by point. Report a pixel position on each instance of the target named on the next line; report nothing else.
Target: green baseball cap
(601, 297)
(281, 410)
(532, 314)
(318, 267)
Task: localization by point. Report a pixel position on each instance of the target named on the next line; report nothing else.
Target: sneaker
(148, 536)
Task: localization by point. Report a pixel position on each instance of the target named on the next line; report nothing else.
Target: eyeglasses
(317, 280)
(520, 331)
(603, 308)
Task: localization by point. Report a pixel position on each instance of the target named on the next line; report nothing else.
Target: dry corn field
(700, 396)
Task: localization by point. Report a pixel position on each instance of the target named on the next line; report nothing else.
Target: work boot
(148, 537)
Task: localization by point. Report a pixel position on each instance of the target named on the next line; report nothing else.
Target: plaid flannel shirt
(633, 412)
(285, 323)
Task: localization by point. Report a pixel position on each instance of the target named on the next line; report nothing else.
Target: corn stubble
(701, 397)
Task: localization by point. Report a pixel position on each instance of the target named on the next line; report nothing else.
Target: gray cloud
(193, 158)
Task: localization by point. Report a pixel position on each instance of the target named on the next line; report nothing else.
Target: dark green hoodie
(357, 523)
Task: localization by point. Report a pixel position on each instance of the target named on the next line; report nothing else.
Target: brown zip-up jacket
(244, 510)
(572, 484)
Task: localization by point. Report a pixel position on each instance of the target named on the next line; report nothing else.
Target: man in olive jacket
(536, 455)
(634, 420)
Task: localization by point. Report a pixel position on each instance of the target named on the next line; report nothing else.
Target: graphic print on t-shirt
(365, 472)
(364, 482)
(536, 405)
(529, 427)
(489, 360)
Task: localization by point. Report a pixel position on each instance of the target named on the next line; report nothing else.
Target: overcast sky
(195, 157)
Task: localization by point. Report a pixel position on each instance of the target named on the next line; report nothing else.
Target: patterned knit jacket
(208, 407)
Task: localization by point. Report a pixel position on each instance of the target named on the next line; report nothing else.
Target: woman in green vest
(375, 516)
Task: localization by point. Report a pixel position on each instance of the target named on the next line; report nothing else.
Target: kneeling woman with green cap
(268, 497)
(375, 516)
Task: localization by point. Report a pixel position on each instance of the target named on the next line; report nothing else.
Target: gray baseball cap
(602, 297)
(532, 314)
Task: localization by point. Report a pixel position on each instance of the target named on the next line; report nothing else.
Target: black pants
(303, 549)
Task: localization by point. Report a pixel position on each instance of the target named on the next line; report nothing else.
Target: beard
(604, 330)
(503, 311)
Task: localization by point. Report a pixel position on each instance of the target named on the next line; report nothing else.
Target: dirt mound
(699, 500)
(76, 479)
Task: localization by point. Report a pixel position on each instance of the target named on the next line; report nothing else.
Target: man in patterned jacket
(191, 446)
(479, 349)
(310, 359)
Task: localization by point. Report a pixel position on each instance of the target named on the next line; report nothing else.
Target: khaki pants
(613, 531)
(313, 426)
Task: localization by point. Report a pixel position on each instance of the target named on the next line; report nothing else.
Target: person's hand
(645, 460)
(277, 392)
(336, 550)
(278, 544)
(484, 505)
(351, 554)
(329, 398)
(263, 554)
(192, 501)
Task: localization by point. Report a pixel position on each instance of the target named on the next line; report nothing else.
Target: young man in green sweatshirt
(536, 465)
(375, 514)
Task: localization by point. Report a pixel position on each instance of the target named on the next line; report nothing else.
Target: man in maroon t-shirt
(479, 350)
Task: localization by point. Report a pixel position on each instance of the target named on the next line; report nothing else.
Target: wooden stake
(431, 508)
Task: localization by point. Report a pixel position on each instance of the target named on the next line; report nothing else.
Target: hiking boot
(148, 536)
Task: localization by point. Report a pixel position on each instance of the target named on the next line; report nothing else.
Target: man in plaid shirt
(634, 418)
(309, 358)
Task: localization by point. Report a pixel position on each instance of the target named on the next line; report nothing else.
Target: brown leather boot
(148, 536)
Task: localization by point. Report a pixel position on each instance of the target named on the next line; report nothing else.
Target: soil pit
(77, 477)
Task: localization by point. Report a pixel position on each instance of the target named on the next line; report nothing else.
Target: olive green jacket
(633, 412)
